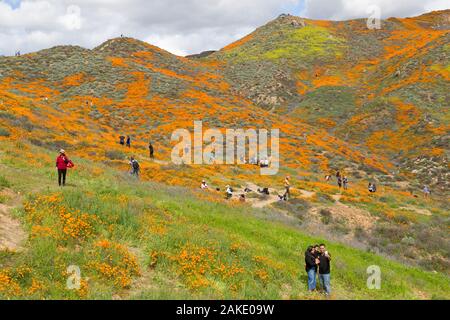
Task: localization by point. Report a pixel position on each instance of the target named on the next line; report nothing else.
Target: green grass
(4, 183)
(160, 225)
(277, 42)
(4, 132)
(334, 103)
(307, 42)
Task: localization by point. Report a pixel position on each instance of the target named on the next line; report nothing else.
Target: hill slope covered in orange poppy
(372, 104)
(385, 89)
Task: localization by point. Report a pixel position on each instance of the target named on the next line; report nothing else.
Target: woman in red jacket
(62, 163)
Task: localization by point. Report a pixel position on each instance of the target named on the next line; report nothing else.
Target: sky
(179, 26)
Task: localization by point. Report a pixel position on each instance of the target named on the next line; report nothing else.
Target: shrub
(324, 198)
(115, 155)
(3, 199)
(296, 207)
(4, 132)
(401, 219)
(326, 216)
(341, 228)
(360, 233)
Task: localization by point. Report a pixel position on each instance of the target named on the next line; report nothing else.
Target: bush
(4, 132)
(341, 228)
(3, 199)
(115, 155)
(326, 216)
(360, 233)
(296, 207)
(324, 198)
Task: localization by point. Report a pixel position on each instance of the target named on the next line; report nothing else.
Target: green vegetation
(4, 132)
(328, 102)
(4, 183)
(307, 42)
(298, 44)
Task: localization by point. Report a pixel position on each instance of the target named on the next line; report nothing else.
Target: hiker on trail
(135, 168)
(345, 182)
(324, 261)
(287, 187)
(426, 191)
(372, 187)
(311, 268)
(339, 182)
(62, 164)
(229, 192)
(204, 185)
(122, 140)
(338, 174)
(264, 191)
(264, 163)
(128, 141)
(151, 150)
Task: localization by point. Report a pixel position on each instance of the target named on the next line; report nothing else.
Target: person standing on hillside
(122, 140)
(345, 182)
(338, 177)
(311, 268)
(128, 141)
(151, 150)
(339, 182)
(426, 191)
(135, 167)
(229, 192)
(62, 163)
(324, 263)
(287, 187)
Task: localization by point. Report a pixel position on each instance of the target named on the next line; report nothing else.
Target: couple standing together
(318, 261)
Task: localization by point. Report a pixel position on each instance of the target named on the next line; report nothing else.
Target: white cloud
(72, 19)
(180, 26)
(350, 9)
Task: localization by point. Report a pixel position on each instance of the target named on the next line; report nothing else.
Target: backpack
(135, 165)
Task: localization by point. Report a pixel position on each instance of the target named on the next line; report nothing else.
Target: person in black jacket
(324, 262)
(311, 268)
(151, 150)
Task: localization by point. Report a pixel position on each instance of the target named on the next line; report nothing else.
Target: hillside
(134, 240)
(371, 104)
(384, 89)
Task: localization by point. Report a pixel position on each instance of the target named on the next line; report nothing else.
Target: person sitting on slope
(229, 192)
